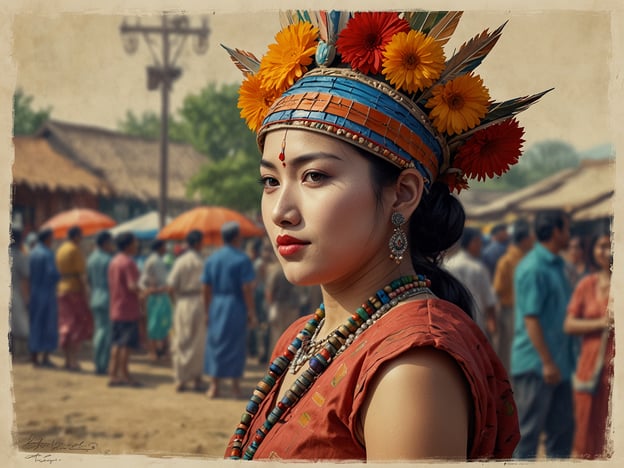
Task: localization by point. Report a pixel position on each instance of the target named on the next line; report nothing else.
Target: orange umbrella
(208, 220)
(90, 221)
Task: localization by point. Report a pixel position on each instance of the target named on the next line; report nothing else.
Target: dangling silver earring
(398, 241)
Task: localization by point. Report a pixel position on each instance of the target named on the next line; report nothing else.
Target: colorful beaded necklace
(339, 340)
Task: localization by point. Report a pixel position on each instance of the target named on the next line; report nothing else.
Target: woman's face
(320, 210)
(602, 252)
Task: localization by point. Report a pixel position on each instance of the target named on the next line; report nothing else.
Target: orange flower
(362, 42)
(491, 151)
(287, 60)
(459, 104)
(412, 61)
(254, 101)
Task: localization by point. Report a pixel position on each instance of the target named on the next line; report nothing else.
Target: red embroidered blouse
(322, 425)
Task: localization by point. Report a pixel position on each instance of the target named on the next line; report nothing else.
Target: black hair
(434, 227)
(124, 240)
(74, 232)
(230, 232)
(500, 227)
(520, 230)
(194, 237)
(600, 231)
(468, 235)
(102, 238)
(157, 244)
(547, 221)
(44, 235)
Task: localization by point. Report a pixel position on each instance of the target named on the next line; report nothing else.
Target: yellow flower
(254, 101)
(287, 60)
(412, 61)
(459, 104)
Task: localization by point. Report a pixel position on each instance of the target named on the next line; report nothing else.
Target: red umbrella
(90, 221)
(208, 220)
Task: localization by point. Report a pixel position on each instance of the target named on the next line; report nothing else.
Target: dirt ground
(59, 411)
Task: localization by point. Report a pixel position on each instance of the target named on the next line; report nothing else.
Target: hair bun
(438, 221)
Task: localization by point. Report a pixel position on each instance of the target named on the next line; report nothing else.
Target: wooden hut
(45, 183)
(129, 165)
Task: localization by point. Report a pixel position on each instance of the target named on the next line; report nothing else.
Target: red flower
(491, 151)
(363, 40)
(455, 180)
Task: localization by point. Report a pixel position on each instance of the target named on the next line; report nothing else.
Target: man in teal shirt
(542, 360)
(97, 276)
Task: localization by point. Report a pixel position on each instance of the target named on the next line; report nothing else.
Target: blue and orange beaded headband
(380, 81)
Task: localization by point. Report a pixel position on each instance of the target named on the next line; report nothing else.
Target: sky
(75, 63)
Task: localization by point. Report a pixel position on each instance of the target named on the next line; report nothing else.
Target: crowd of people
(204, 312)
(542, 299)
(540, 296)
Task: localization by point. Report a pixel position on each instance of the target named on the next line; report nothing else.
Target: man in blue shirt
(228, 286)
(542, 355)
(43, 311)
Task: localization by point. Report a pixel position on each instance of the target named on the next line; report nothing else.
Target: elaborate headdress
(381, 81)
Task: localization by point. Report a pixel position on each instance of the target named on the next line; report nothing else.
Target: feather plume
(499, 111)
(423, 21)
(319, 19)
(471, 54)
(288, 17)
(329, 23)
(467, 58)
(444, 29)
(244, 61)
(502, 110)
(332, 23)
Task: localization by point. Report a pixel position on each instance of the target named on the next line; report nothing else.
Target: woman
(153, 282)
(589, 317)
(366, 134)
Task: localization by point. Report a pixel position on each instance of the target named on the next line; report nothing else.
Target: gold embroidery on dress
(318, 399)
(340, 374)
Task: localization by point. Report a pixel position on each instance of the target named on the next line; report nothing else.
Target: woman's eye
(314, 177)
(267, 181)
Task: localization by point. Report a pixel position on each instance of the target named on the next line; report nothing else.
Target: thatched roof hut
(585, 192)
(38, 166)
(130, 165)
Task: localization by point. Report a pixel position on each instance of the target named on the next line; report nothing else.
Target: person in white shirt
(467, 267)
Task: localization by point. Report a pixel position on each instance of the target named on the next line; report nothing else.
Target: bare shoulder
(418, 407)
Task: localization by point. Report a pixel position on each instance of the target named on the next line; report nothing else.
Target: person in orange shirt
(522, 240)
(75, 319)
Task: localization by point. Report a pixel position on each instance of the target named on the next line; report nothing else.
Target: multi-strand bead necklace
(296, 355)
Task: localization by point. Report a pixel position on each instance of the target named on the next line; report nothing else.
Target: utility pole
(173, 32)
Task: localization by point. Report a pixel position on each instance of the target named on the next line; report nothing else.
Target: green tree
(548, 157)
(211, 122)
(26, 120)
(230, 182)
(147, 125)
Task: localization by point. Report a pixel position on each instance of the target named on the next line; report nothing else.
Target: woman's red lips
(289, 240)
(288, 245)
